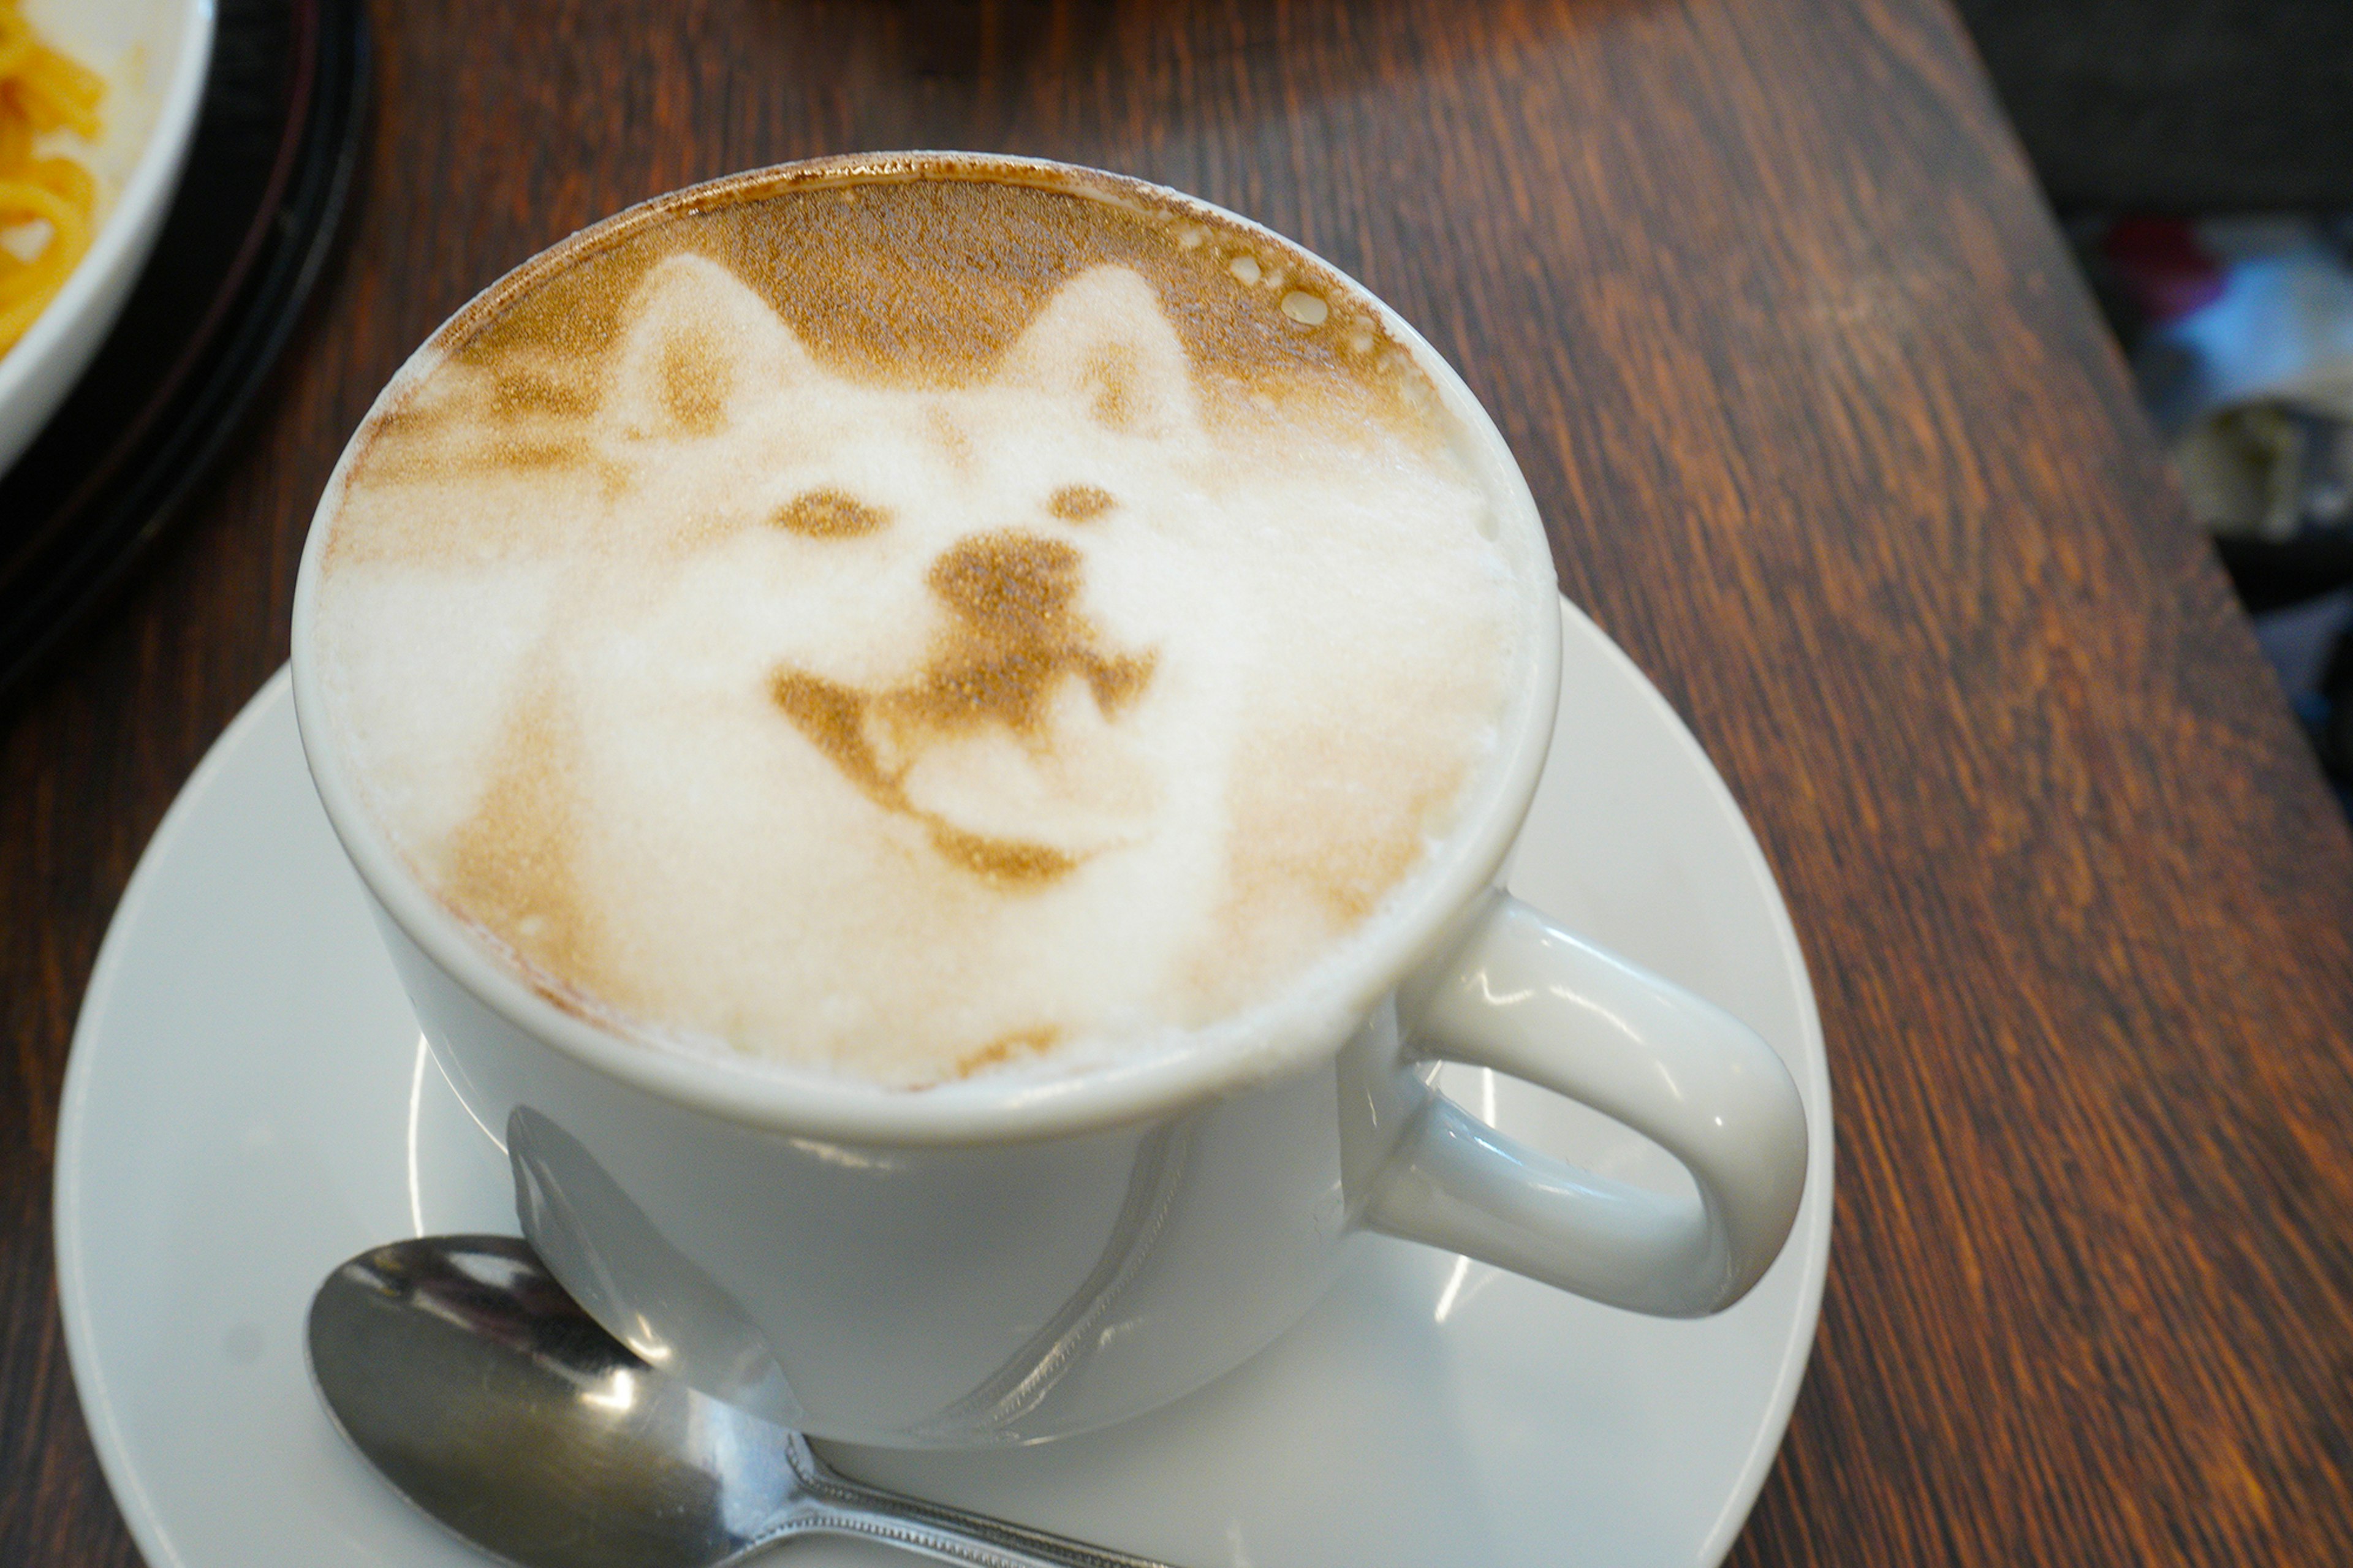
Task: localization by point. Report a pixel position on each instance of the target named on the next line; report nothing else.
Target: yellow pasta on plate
(46, 198)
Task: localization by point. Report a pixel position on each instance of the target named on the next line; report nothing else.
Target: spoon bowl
(470, 1379)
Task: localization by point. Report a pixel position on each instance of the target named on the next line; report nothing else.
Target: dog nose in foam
(1008, 580)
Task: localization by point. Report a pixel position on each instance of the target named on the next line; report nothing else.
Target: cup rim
(1307, 1022)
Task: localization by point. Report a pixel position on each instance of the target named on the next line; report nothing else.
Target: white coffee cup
(1012, 1258)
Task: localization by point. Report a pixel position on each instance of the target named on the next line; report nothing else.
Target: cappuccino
(914, 619)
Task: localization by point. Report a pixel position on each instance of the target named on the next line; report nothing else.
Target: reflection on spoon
(464, 1373)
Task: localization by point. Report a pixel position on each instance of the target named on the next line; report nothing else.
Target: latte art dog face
(991, 716)
(904, 725)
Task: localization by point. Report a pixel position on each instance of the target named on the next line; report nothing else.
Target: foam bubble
(1307, 308)
(917, 628)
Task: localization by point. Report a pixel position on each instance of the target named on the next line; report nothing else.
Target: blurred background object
(278, 130)
(102, 98)
(2200, 153)
(2176, 105)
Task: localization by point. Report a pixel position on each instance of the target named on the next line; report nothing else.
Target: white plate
(248, 1105)
(154, 54)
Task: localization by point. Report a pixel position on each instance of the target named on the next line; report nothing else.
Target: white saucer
(247, 1106)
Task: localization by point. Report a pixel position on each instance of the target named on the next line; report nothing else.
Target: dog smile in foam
(1002, 745)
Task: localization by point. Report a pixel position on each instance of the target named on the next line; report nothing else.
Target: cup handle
(1521, 996)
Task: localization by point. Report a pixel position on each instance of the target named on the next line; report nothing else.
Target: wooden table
(1831, 443)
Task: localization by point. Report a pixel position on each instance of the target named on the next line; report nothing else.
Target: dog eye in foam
(1081, 503)
(830, 515)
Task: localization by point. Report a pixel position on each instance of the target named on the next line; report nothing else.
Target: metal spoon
(469, 1379)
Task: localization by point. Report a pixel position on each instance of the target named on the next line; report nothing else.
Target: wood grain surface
(1831, 441)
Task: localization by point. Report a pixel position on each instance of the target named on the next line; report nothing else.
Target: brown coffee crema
(914, 619)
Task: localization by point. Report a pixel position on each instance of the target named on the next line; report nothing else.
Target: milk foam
(1013, 651)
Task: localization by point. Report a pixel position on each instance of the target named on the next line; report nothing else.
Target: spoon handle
(951, 1534)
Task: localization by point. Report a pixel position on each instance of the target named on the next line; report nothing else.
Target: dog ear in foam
(699, 344)
(1103, 342)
